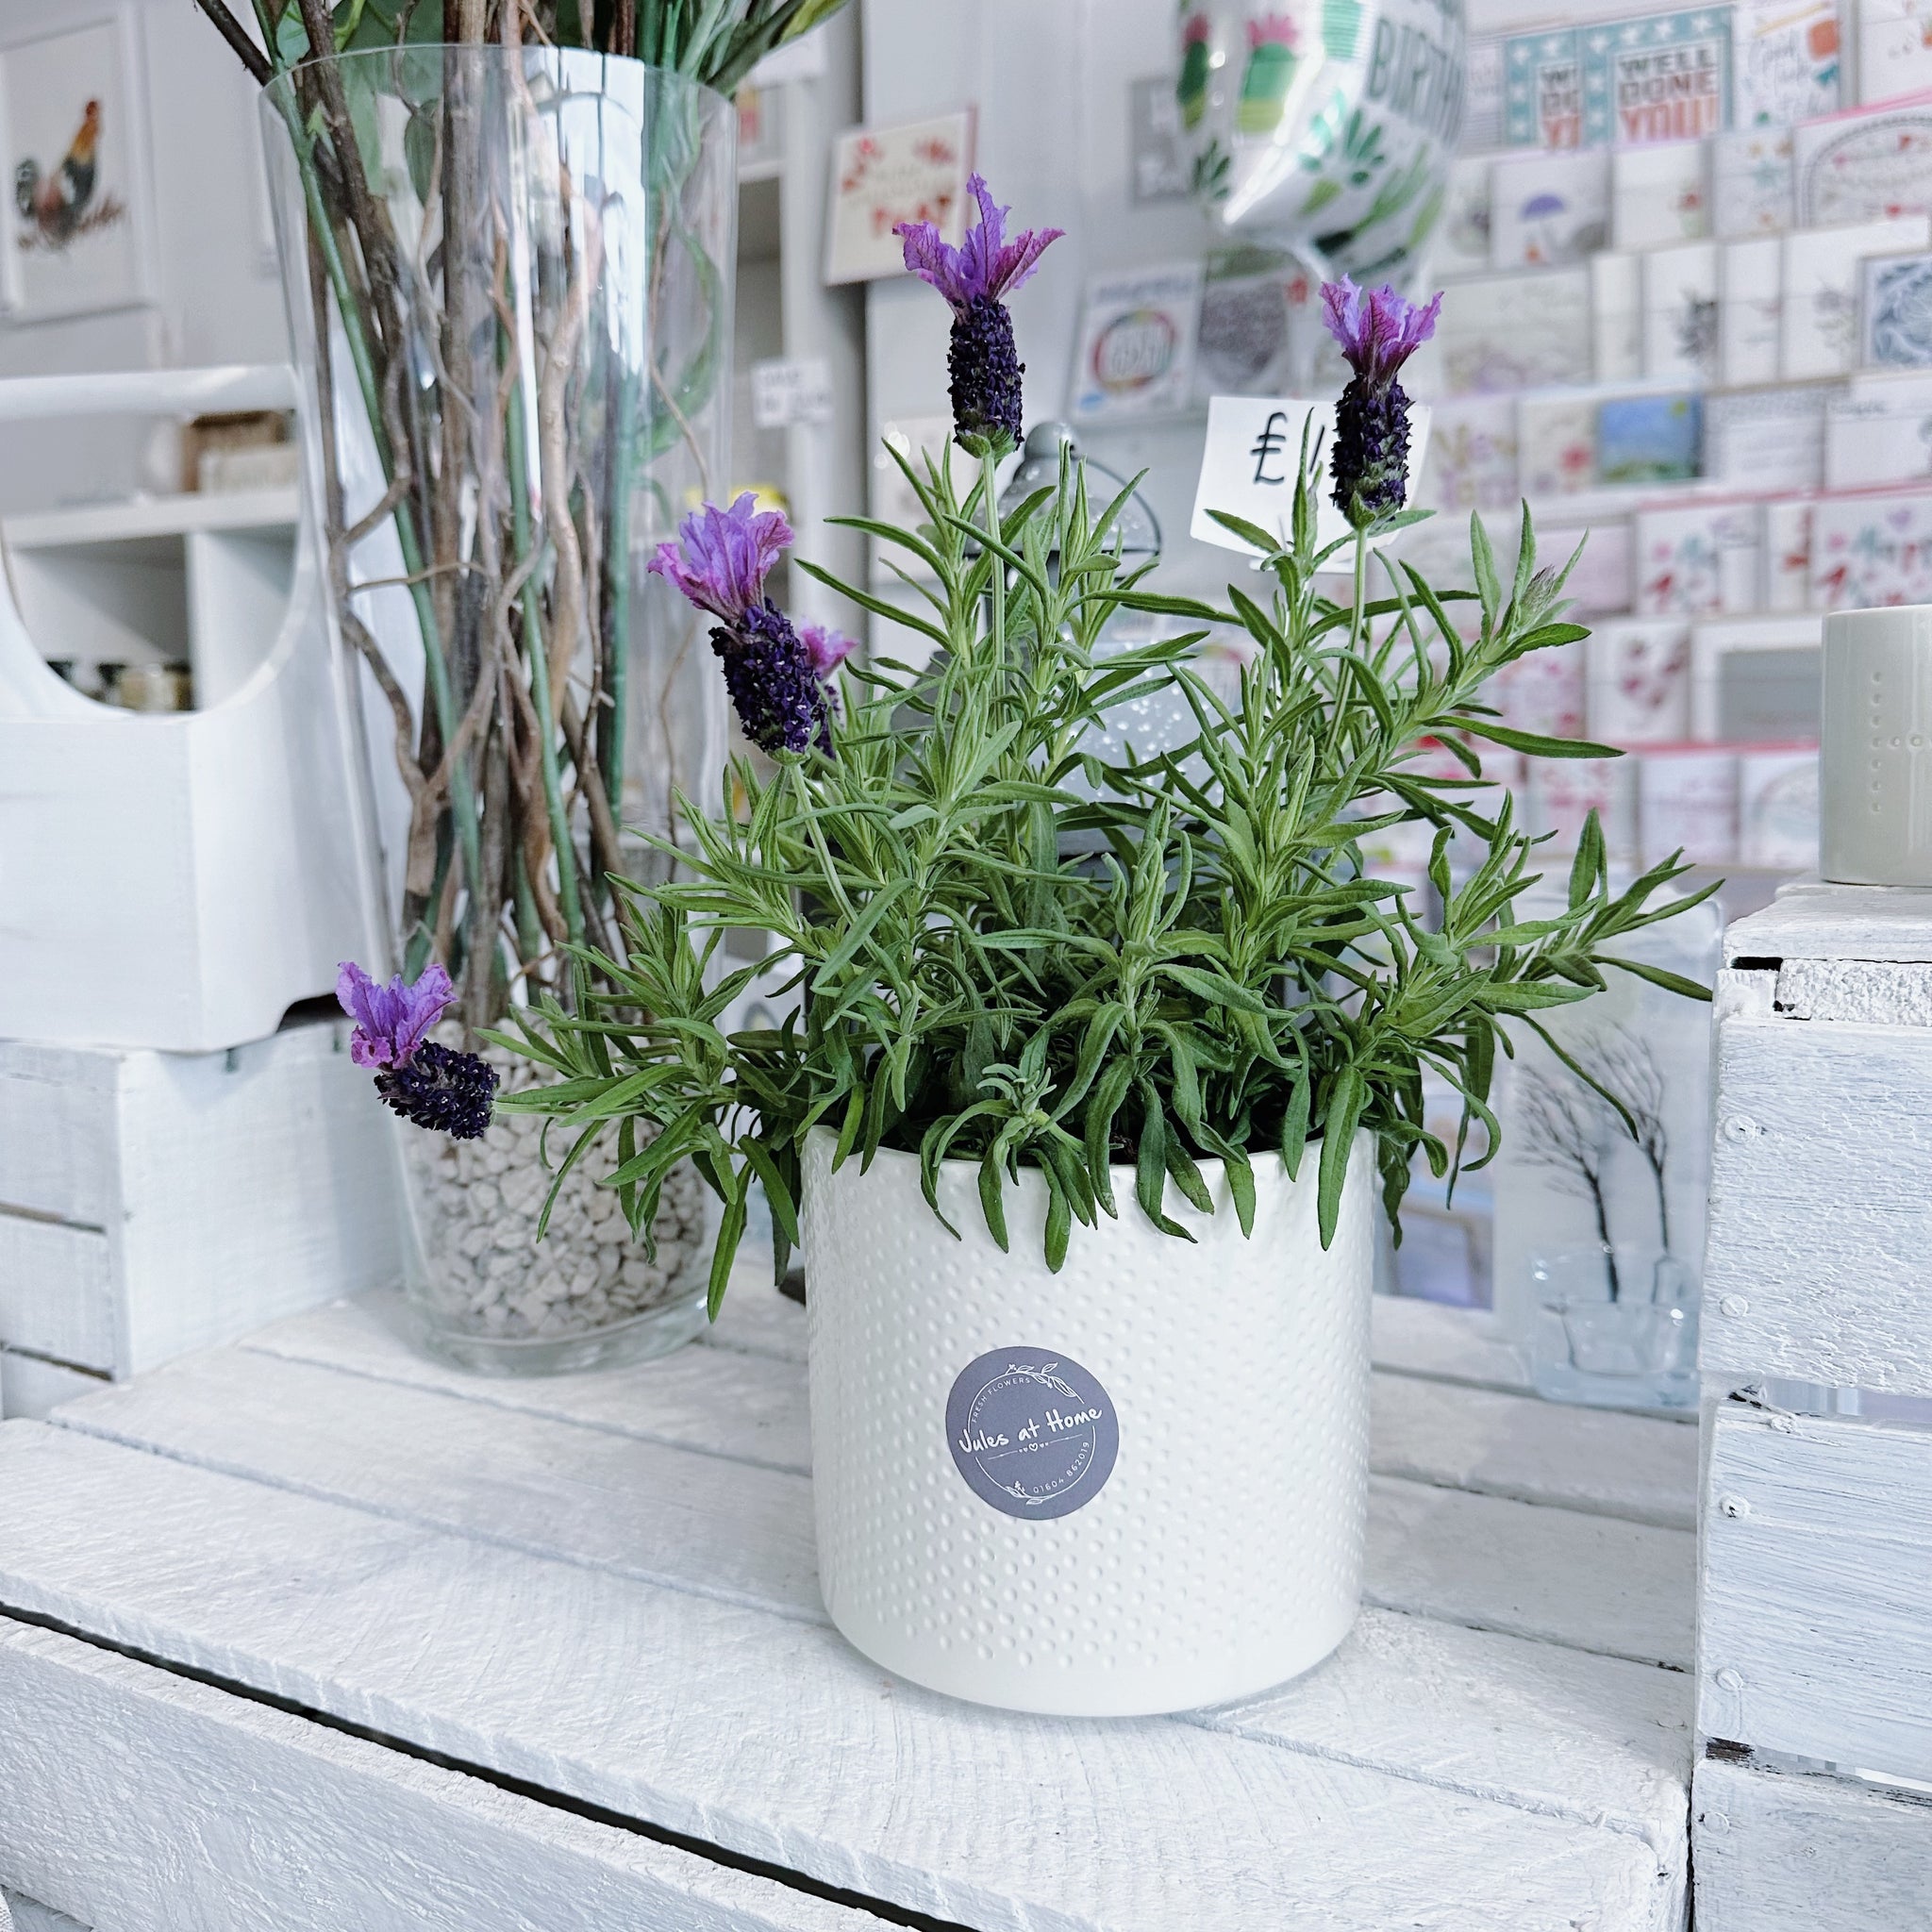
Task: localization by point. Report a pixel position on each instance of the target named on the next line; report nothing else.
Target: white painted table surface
(309, 1632)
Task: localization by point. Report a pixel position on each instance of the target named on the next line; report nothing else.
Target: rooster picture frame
(77, 236)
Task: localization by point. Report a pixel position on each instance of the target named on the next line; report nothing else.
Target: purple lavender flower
(721, 566)
(443, 1090)
(391, 1020)
(975, 277)
(826, 648)
(1379, 331)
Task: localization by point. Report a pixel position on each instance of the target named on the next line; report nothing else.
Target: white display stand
(171, 881)
(1815, 1601)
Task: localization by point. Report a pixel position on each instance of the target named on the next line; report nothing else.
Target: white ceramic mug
(1875, 747)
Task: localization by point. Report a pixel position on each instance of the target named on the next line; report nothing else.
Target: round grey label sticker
(1033, 1433)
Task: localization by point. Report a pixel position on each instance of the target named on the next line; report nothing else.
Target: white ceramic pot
(1134, 1486)
(1875, 747)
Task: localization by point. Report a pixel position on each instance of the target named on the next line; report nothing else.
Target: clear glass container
(1615, 1327)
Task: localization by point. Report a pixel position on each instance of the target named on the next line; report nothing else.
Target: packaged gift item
(1777, 809)
(1660, 195)
(1894, 48)
(1680, 301)
(1784, 61)
(1868, 550)
(1640, 680)
(1649, 439)
(1560, 794)
(1752, 190)
(1661, 77)
(1599, 580)
(1750, 281)
(1754, 680)
(1137, 343)
(1896, 315)
(1823, 275)
(1511, 332)
(1865, 164)
(1471, 461)
(1543, 90)
(1556, 444)
(1461, 246)
(1687, 801)
(1243, 346)
(1543, 692)
(1548, 211)
(1765, 440)
(1700, 560)
(1786, 566)
(1616, 316)
(1878, 432)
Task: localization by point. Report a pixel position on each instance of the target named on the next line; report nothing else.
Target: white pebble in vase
(1875, 747)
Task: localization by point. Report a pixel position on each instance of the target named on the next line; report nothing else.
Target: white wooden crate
(1815, 1601)
(152, 1203)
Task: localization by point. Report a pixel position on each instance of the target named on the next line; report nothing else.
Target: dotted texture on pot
(1223, 1554)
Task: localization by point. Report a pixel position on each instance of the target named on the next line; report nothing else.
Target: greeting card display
(1878, 433)
(1688, 803)
(1786, 56)
(1767, 439)
(1895, 317)
(882, 177)
(1777, 809)
(1753, 185)
(1660, 194)
(1137, 343)
(1787, 556)
(1556, 444)
(1662, 77)
(1616, 315)
(1894, 44)
(1560, 794)
(1546, 210)
(1462, 230)
(1514, 332)
(1649, 439)
(1542, 91)
(1697, 562)
(1640, 680)
(1681, 312)
(1868, 550)
(1599, 580)
(1750, 311)
(1244, 339)
(1856, 166)
(1471, 455)
(1545, 693)
(1823, 274)
(1755, 679)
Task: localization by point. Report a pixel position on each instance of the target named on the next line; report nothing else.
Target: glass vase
(1615, 1327)
(509, 276)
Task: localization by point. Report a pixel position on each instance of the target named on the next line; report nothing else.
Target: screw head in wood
(1728, 1679)
(1733, 1304)
(1733, 1506)
(1741, 1127)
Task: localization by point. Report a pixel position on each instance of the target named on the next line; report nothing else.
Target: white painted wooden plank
(1620, 1589)
(770, 1735)
(1590, 1459)
(32, 1387)
(137, 1798)
(1813, 920)
(752, 1408)
(28, 1915)
(1819, 1257)
(1468, 1345)
(1816, 1635)
(57, 1293)
(56, 1131)
(1798, 1854)
(1870, 992)
(654, 1511)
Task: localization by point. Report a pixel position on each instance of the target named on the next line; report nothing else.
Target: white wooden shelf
(153, 516)
(574, 1627)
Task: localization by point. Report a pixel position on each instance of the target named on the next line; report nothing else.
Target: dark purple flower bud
(774, 689)
(1379, 331)
(449, 1092)
(391, 1020)
(724, 556)
(976, 278)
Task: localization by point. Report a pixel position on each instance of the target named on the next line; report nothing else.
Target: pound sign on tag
(1269, 446)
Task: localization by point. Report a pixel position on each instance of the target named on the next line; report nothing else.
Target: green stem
(1362, 584)
(617, 592)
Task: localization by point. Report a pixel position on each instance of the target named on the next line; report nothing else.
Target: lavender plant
(1011, 951)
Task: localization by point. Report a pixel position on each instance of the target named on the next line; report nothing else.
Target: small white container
(1875, 747)
(1135, 1486)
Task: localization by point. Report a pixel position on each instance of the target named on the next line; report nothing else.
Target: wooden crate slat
(145, 1799)
(56, 1132)
(1411, 1337)
(770, 1735)
(30, 1915)
(1782, 1853)
(57, 1291)
(1817, 1603)
(34, 1387)
(1811, 920)
(1818, 1266)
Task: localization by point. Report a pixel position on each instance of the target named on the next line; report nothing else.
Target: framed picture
(881, 177)
(75, 140)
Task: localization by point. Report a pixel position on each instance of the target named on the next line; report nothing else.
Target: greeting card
(1753, 186)
(1698, 562)
(1472, 455)
(1787, 554)
(1659, 194)
(1896, 315)
(1680, 304)
(1822, 274)
(1858, 166)
(1894, 41)
(884, 175)
(1556, 444)
(1786, 62)
(1878, 432)
(1754, 680)
(1542, 91)
(1482, 96)
(1463, 231)
(1750, 279)
(1560, 794)
(1871, 550)
(1640, 680)
(1662, 76)
(1616, 315)
(1767, 439)
(1513, 332)
(1242, 345)
(1649, 439)
(1548, 211)
(1777, 809)
(1136, 355)
(1543, 692)
(1599, 581)
(1688, 803)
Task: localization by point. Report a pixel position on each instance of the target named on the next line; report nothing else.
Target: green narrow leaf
(992, 1197)
(1294, 1123)
(1241, 1186)
(1059, 1222)
(1347, 1100)
(730, 1230)
(1151, 1164)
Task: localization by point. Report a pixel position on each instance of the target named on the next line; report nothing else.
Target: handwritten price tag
(788, 392)
(1248, 467)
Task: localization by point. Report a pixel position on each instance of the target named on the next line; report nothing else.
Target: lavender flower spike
(721, 565)
(1378, 332)
(391, 1021)
(976, 278)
